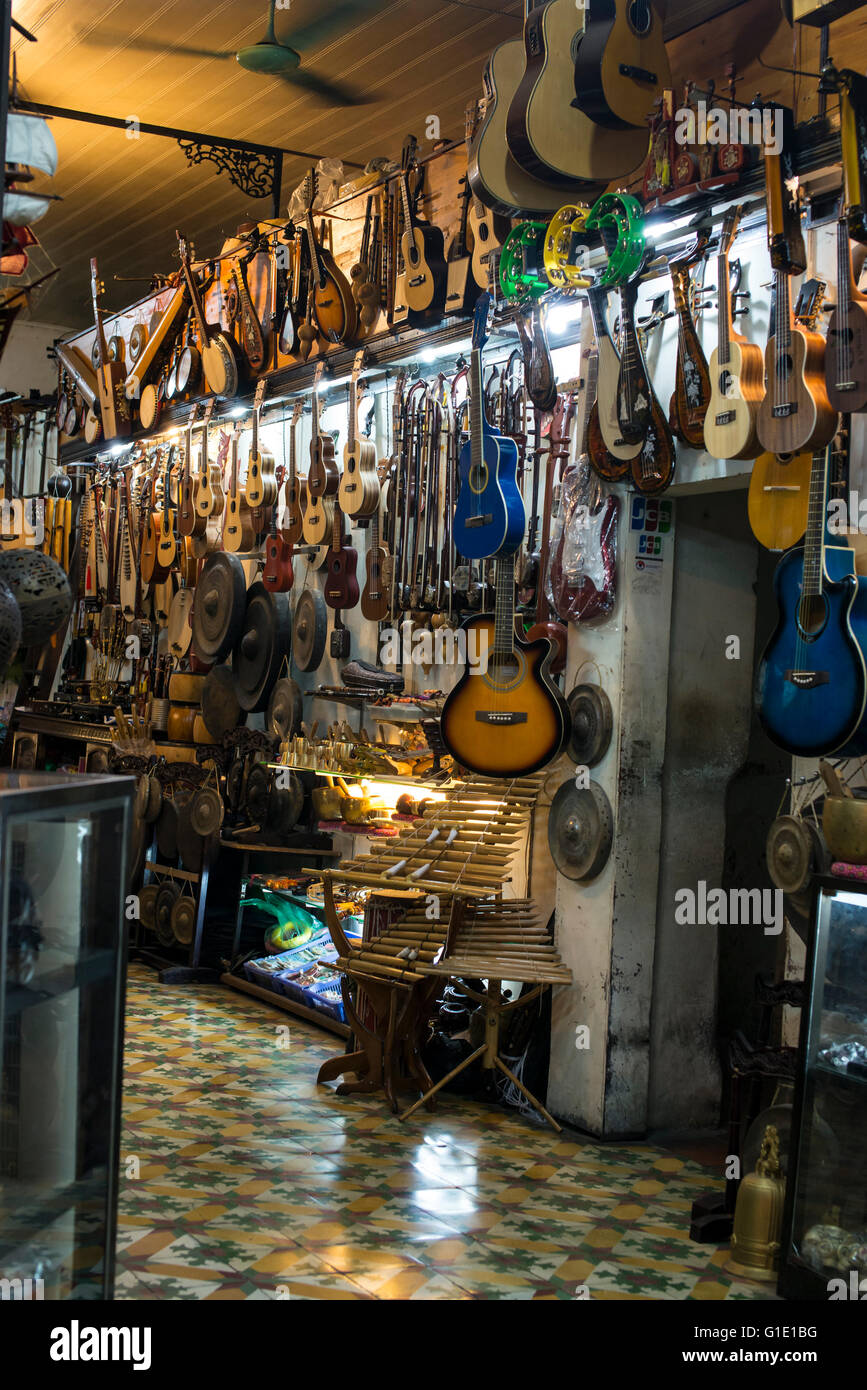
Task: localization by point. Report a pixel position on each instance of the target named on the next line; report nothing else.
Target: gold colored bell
(759, 1215)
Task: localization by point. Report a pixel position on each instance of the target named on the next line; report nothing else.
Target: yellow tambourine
(559, 250)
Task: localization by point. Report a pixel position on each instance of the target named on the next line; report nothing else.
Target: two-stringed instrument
(812, 679)
(736, 370)
(505, 716)
(358, 493)
(489, 518)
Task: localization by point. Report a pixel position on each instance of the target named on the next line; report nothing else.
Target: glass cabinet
(62, 968)
(825, 1220)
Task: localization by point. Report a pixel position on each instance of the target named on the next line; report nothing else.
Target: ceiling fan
(271, 57)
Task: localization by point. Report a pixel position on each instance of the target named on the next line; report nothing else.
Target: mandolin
(239, 531)
(736, 371)
(358, 493)
(510, 693)
(689, 401)
(422, 251)
(846, 347)
(548, 133)
(489, 518)
(278, 575)
(334, 310)
(621, 66)
(293, 515)
(190, 521)
(260, 487)
(341, 585)
(812, 680)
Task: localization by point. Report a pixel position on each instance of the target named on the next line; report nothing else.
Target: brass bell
(759, 1215)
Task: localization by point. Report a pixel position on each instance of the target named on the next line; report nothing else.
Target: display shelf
(288, 1006)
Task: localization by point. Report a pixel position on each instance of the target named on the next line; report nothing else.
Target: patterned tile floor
(243, 1179)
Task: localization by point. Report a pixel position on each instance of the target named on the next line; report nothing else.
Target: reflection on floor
(242, 1179)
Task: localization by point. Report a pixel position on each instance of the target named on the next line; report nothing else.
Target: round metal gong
(220, 708)
(592, 722)
(264, 642)
(183, 920)
(258, 794)
(580, 830)
(166, 898)
(218, 611)
(789, 852)
(206, 814)
(285, 709)
(286, 804)
(311, 629)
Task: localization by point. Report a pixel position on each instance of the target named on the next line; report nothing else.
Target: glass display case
(825, 1218)
(62, 976)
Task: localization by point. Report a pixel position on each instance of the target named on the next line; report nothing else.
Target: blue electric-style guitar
(489, 517)
(812, 680)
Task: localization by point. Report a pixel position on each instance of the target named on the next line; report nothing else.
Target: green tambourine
(622, 216)
(522, 262)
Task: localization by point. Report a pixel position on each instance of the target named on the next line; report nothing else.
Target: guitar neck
(724, 310)
(504, 608)
(814, 540)
(477, 408)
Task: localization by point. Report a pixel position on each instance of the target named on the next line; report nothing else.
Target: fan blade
(322, 28)
(107, 39)
(334, 92)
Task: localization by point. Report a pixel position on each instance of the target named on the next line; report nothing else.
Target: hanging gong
(264, 642)
(218, 612)
(154, 801)
(180, 628)
(166, 898)
(285, 710)
(592, 723)
(206, 814)
(147, 902)
(183, 920)
(789, 852)
(220, 709)
(286, 804)
(580, 830)
(258, 794)
(311, 628)
(234, 782)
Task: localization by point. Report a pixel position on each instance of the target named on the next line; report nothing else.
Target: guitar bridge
(501, 716)
(782, 412)
(808, 680)
(637, 74)
(725, 418)
(473, 522)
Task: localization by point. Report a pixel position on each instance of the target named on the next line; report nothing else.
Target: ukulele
(190, 521)
(293, 516)
(260, 487)
(547, 130)
(545, 624)
(846, 347)
(334, 309)
(341, 585)
(358, 493)
(621, 68)
(736, 371)
(277, 575)
(167, 546)
(239, 531)
(323, 478)
(489, 518)
(511, 694)
(689, 401)
(110, 375)
(210, 497)
(812, 686)
(422, 250)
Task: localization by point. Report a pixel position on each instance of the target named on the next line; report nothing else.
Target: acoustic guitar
(489, 518)
(621, 66)
(422, 251)
(358, 493)
(736, 370)
(846, 349)
(239, 530)
(812, 679)
(505, 717)
(795, 414)
(548, 132)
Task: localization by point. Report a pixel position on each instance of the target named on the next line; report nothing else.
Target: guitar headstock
(729, 228)
(97, 286)
(297, 412)
(307, 192)
(223, 451)
(482, 317)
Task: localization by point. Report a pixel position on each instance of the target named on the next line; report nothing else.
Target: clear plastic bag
(329, 177)
(582, 580)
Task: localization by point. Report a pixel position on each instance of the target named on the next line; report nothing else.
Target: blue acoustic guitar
(812, 680)
(489, 517)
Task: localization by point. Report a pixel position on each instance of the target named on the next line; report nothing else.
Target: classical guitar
(110, 374)
(334, 309)
(293, 515)
(489, 518)
(422, 252)
(260, 486)
(358, 493)
(548, 133)
(239, 531)
(190, 522)
(621, 66)
(167, 545)
(505, 716)
(736, 370)
(846, 348)
(278, 574)
(689, 401)
(219, 353)
(812, 680)
(341, 584)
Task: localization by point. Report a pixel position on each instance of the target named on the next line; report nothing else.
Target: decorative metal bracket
(256, 173)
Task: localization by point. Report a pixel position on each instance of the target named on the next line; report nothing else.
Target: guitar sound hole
(640, 18)
(478, 477)
(725, 383)
(811, 615)
(504, 668)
